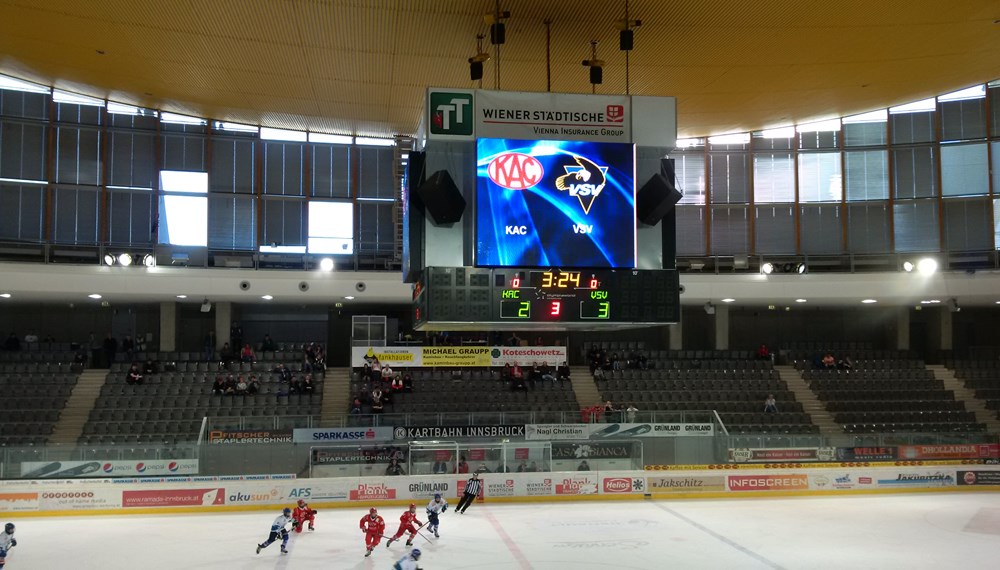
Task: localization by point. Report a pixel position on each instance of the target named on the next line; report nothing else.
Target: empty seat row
(688, 385)
(851, 384)
(904, 417)
(884, 395)
(893, 405)
(915, 428)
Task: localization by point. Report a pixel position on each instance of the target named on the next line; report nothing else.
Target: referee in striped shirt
(472, 488)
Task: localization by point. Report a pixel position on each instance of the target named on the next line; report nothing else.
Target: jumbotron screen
(555, 204)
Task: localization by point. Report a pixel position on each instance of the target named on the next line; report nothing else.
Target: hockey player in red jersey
(374, 527)
(406, 524)
(303, 513)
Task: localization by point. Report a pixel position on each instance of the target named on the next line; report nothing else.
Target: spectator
(12, 343)
(539, 341)
(128, 346)
(30, 341)
(253, 386)
(407, 382)
(210, 346)
(763, 353)
(533, 468)
(320, 363)
(506, 373)
(219, 386)
(563, 372)
(770, 405)
(377, 401)
(534, 375)
(616, 363)
(609, 412)
(828, 361)
(241, 386)
(394, 468)
(355, 407)
(376, 371)
(483, 468)
(284, 374)
(546, 372)
(514, 340)
(226, 355)
(110, 348)
(295, 385)
(230, 385)
(440, 466)
(308, 385)
(149, 367)
(462, 466)
(387, 374)
(630, 412)
(583, 466)
(845, 363)
(134, 375)
(522, 467)
(268, 345)
(397, 383)
(246, 354)
(80, 359)
(236, 334)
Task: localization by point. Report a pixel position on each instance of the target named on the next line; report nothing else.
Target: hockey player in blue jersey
(278, 530)
(435, 508)
(408, 562)
(7, 541)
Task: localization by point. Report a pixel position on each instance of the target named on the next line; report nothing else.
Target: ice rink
(953, 530)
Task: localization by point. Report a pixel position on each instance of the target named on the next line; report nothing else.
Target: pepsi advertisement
(555, 204)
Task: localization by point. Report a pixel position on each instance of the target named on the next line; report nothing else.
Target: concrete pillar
(903, 328)
(676, 332)
(168, 326)
(223, 320)
(944, 329)
(722, 327)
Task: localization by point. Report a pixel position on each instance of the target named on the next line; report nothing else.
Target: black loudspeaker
(498, 33)
(441, 198)
(657, 196)
(626, 40)
(596, 75)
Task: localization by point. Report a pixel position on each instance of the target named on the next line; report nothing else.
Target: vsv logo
(584, 180)
(582, 229)
(515, 171)
(516, 230)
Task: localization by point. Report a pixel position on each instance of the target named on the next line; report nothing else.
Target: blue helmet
(287, 511)
(437, 496)
(415, 554)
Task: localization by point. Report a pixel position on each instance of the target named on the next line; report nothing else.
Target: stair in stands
(74, 416)
(336, 396)
(584, 387)
(810, 403)
(967, 396)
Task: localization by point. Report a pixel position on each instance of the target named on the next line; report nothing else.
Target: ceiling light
(767, 268)
(94, 296)
(927, 266)
(800, 268)
(351, 298)
(869, 301)
(109, 259)
(731, 139)
(182, 296)
(372, 141)
(727, 300)
(149, 260)
(13, 84)
(800, 300)
(7, 296)
(997, 302)
(125, 259)
(596, 65)
(326, 264)
(930, 302)
(330, 139)
(266, 297)
(907, 266)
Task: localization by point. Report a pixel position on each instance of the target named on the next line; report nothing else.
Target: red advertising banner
(768, 482)
(521, 453)
(957, 451)
(477, 454)
(578, 485)
(377, 491)
(174, 498)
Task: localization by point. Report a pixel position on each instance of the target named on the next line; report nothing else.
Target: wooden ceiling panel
(363, 65)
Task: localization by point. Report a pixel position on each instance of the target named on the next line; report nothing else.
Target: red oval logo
(515, 171)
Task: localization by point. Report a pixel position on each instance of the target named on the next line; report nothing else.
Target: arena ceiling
(361, 66)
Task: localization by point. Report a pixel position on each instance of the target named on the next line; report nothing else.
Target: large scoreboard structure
(551, 238)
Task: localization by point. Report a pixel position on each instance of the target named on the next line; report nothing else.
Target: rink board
(198, 494)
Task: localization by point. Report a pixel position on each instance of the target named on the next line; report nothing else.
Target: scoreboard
(456, 298)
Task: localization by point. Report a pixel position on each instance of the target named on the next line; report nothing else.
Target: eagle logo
(585, 180)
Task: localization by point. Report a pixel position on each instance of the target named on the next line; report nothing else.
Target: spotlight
(206, 306)
(476, 61)
(125, 259)
(767, 268)
(800, 268)
(953, 305)
(596, 65)
(109, 259)
(907, 266)
(927, 266)
(709, 308)
(149, 260)
(787, 268)
(326, 264)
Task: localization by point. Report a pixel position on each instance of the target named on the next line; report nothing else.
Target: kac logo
(515, 170)
(516, 230)
(585, 180)
(451, 113)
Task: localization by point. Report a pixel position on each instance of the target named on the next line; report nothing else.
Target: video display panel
(555, 204)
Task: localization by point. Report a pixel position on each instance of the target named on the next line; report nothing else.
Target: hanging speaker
(441, 198)
(657, 196)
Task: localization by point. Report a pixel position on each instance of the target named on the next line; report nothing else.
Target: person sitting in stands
(134, 375)
(462, 466)
(539, 341)
(763, 353)
(376, 373)
(320, 363)
(284, 374)
(377, 404)
(387, 374)
(610, 413)
(533, 468)
(307, 385)
(253, 385)
(355, 409)
(616, 363)
(241, 386)
(394, 468)
(247, 355)
(563, 371)
(845, 363)
(584, 466)
(295, 386)
(770, 405)
(149, 367)
(483, 468)
(546, 372)
(506, 373)
(440, 466)
(219, 386)
(397, 383)
(522, 467)
(230, 385)
(407, 382)
(267, 345)
(829, 361)
(226, 354)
